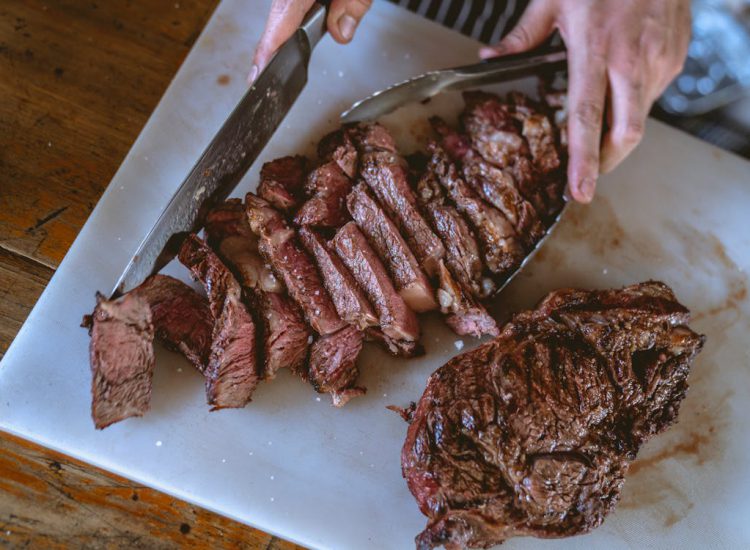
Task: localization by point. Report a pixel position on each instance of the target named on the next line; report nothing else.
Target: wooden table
(78, 80)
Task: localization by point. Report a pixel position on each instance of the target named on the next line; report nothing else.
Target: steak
(279, 247)
(533, 432)
(232, 373)
(382, 234)
(121, 353)
(397, 321)
(466, 316)
(333, 368)
(282, 326)
(372, 136)
(181, 317)
(386, 175)
(328, 187)
(501, 248)
(461, 248)
(492, 129)
(339, 148)
(350, 300)
(282, 182)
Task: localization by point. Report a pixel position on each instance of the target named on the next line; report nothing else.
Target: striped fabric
(484, 20)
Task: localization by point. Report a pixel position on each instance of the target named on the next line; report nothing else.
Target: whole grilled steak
(533, 432)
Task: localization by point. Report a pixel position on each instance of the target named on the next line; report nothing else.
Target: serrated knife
(231, 152)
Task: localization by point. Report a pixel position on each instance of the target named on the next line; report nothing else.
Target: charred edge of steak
(333, 368)
(282, 182)
(561, 401)
(122, 359)
(232, 374)
(338, 147)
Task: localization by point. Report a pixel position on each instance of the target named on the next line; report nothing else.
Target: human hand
(620, 53)
(285, 17)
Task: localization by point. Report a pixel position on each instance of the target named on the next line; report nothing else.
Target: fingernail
(586, 188)
(347, 26)
(253, 74)
(488, 51)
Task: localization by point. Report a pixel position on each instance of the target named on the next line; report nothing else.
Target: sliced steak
(410, 281)
(327, 186)
(181, 317)
(533, 432)
(290, 262)
(497, 186)
(350, 300)
(501, 249)
(465, 315)
(387, 176)
(493, 131)
(397, 320)
(232, 373)
(371, 136)
(283, 330)
(339, 148)
(538, 131)
(333, 367)
(121, 354)
(229, 234)
(282, 182)
(461, 248)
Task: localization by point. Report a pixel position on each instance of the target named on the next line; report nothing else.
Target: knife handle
(313, 26)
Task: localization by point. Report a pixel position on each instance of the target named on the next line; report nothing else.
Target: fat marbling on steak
(533, 432)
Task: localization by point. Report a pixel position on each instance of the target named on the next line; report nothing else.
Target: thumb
(344, 16)
(534, 27)
(283, 19)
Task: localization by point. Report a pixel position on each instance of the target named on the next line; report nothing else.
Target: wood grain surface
(78, 80)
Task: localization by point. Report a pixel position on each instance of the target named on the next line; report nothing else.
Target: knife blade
(431, 83)
(230, 154)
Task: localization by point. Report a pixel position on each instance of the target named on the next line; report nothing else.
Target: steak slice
(333, 367)
(386, 175)
(290, 262)
(282, 182)
(461, 248)
(382, 234)
(351, 303)
(371, 136)
(327, 186)
(533, 432)
(501, 249)
(338, 147)
(497, 187)
(397, 320)
(232, 373)
(282, 326)
(121, 354)
(466, 316)
(491, 128)
(181, 317)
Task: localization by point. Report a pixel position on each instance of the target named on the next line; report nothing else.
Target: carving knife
(231, 152)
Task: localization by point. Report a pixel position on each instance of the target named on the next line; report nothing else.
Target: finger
(283, 19)
(629, 108)
(344, 16)
(586, 93)
(534, 27)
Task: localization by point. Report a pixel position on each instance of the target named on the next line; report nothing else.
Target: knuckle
(588, 113)
(632, 133)
(519, 36)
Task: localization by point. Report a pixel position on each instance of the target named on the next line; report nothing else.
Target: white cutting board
(291, 464)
